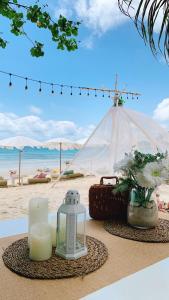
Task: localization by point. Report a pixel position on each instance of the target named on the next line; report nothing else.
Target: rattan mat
(16, 258)
(159, 234)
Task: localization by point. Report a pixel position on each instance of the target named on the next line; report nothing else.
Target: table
(149, 284)
(120, 277)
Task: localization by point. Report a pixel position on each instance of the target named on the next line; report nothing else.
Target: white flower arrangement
(143, 173)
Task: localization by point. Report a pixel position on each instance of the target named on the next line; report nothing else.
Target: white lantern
(71, 217)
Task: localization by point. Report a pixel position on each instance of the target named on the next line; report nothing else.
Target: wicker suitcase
(104, 204)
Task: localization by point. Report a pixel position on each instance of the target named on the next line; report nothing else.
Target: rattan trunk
(105, 204)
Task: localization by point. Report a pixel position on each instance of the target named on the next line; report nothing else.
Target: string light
(26, 85)
(71, 91)
(61, 89)
(52, 91)
(40, 86)
(65, 86)
(10, 81)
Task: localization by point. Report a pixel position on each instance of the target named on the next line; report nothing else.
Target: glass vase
(143, 215)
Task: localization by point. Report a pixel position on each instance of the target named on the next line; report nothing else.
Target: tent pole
(20, 156)
(60, 149)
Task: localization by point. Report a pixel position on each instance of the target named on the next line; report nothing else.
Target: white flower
(142, 181)
(153, 175)
(124, 164)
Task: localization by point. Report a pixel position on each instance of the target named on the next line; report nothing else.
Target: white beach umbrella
(19, 142)
(61, 144)
(65, 143)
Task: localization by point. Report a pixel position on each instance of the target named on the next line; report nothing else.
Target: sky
(109, 45)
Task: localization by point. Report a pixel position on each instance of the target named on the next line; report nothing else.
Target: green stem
(133, 178)
(150, 191)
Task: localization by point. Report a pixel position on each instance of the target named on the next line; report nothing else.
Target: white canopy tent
(119, 131)
(61, 144)
(19, 142)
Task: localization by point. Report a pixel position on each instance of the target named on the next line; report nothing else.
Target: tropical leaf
(145, 15)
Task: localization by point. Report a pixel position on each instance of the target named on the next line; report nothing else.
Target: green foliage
(37, 50)
(63, 32)
(141, 159)
(145, 15)
(124, 184)
(121, 101)
(2, 43)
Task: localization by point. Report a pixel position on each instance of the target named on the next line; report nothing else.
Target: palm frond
(145, 16)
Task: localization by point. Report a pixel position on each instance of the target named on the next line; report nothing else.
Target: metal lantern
(71, 217)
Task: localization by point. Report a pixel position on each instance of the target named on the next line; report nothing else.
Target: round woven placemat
(16, 258)
(159, 234)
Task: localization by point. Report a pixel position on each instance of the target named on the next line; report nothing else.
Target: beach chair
(71, 176)
(3, 182)
(40, 178)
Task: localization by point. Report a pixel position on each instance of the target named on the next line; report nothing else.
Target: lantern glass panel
(61, 235)
(80, 231)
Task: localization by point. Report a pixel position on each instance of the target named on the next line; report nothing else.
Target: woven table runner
(125, 257)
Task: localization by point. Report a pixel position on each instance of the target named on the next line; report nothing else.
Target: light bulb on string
(95, 93)
(61, 89)
(71, 91)
(52, 91)
(103, 94)
(26, 85)
(88, 92)
(109, 95)
(127, 96)
(10, 80)
(40, 86)
(80, 92)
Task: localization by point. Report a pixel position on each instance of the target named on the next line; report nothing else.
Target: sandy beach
(14, 200)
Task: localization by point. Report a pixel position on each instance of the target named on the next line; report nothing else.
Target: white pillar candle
(38, 212)
(40, 242)
(53, 226)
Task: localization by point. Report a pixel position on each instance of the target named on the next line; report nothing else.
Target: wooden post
(20, 157)
(60, 149)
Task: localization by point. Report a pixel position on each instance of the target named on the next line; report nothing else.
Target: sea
(33, 159)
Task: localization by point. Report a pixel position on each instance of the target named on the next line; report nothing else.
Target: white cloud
(35, 110)
(161, 112)
(88, 42)
(36, 127)
(98, 15)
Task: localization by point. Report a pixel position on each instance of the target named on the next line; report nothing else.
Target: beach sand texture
(14, 200)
